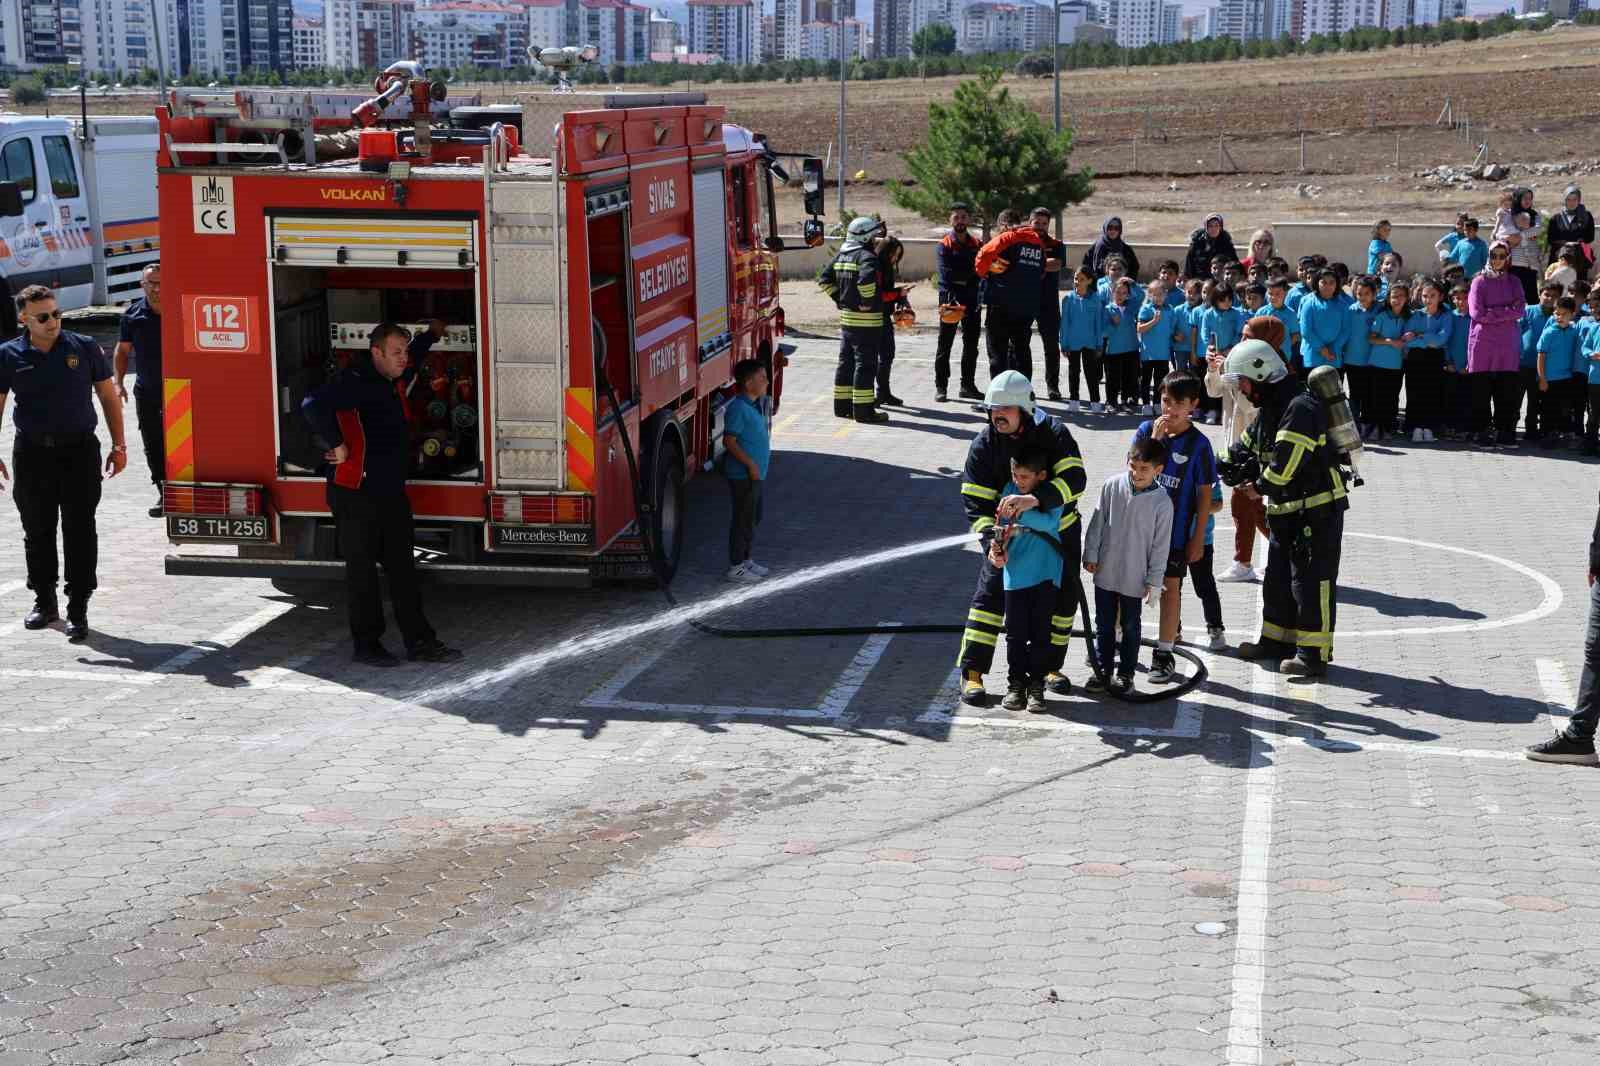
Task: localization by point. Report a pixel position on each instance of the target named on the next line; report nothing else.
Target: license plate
(217, 527)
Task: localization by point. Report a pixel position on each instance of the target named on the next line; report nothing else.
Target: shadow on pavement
(1392, 606)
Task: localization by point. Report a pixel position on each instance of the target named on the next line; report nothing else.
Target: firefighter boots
(972, 688)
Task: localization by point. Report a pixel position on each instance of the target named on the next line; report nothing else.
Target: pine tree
(992, 152)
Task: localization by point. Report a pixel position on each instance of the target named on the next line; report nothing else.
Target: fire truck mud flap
(556, 577)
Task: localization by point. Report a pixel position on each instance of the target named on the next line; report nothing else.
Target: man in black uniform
(1012, 268)
(1055, 254)
(360, 419)
(1013, 425)
(56, 453)
(958, 285)
(1306, 501)
(851, 281)
(140, 337)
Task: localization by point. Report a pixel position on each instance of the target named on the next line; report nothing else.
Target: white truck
(86, 224)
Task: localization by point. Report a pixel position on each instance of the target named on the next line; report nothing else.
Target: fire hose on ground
(658, 564)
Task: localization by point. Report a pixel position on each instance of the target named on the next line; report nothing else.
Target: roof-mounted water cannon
(398, 79)
(564, 61)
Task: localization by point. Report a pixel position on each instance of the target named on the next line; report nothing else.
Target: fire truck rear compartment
(322, 320)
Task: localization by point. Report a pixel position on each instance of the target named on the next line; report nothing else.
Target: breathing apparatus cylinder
(1343, 433)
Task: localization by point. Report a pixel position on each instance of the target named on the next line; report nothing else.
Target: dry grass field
(1533, 96)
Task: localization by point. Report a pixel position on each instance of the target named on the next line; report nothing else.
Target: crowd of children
(1389, 333)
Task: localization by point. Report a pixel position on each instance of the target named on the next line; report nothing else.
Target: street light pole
(841, 117)
(1055, 55)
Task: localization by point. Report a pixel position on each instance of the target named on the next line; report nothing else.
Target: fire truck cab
(578, 247)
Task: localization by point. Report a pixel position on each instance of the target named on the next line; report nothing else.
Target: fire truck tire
(667, 507)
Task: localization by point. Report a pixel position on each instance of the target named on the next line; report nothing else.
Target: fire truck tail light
(541, 510)
(237, 500)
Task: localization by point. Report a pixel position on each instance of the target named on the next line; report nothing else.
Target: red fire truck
(570, 242)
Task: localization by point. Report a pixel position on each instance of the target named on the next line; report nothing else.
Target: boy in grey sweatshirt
(1126, 550)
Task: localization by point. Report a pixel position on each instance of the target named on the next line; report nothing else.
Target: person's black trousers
(1088, 360)
(147, 402)
(1122, 377)
(1150, 377)
(970, 327)
(1007, 337)
(1424, 388)
(885, 360)
(1586, 713)
(1503, 390)
(1355, 390)
(1528, 387)
(1050, 337)
(373, 530)
(746, 516)
(1383, 397)
(1591, 432)
(58, 478)
(1300, 589)
(1203, 579)
(1530, 283)
(1028, 633)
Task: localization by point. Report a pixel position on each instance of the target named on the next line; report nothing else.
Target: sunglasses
(45, 316)
(1499, 255)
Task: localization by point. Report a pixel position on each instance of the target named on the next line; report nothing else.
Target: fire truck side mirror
(10, 199)
(812, 232)
(811, 185)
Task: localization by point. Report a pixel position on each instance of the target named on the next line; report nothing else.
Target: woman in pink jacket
(1494, 347)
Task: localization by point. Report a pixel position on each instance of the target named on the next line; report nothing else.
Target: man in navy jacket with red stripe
(360, 418)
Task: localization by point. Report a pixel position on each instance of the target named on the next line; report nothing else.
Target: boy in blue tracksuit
(1155, 328)
(1278, 308)
(1084, 328)
(1534, 319)
(1029, 551)
(1457, 417)
(1471, 251)
(1221, 326)
(1186, 323)
(1558, 355)
(1322, 324)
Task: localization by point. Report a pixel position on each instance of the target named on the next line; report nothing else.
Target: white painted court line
(11, 586)
(1249, 975)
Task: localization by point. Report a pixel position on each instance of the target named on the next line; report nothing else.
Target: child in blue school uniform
(1358, 347)
(1029, 553)
(1557, 357)
(1084, 327)
(1457, 417)
(1425, 361)
(1186, 325)
(1391, 331)
(1379, 246)
(1221, 327)
(1278, 308)
(1155, 329)
(1122, 345)
(1322, 324)
(1534, 319)
(1589, 357)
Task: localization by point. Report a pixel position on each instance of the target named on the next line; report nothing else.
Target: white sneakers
(1072, 407)
(749, 570)
(1239, 572)
(1216, 639)
(1418, 436)
(1097, 408)
(1428, 437)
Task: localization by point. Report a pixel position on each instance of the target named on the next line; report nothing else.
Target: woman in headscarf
(1205, 244)
(1262, 248)
(1573, 224)
(1110, 243)
(1494, 347)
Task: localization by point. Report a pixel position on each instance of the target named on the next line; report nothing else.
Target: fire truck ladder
(527, 329)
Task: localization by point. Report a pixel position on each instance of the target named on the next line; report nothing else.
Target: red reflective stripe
(349, 473)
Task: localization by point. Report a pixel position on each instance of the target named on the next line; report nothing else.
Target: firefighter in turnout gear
(1014, 423)
(1300, 479)
(851, 281)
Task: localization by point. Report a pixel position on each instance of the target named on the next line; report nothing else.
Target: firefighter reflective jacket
(989, 469)
(958, 276)
(1012, 268)
(1299, 468)
(851, 281)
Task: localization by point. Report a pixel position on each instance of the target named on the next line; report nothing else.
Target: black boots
(44, 612)
(78, 619)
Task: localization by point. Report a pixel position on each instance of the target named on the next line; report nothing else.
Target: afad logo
(26, 242)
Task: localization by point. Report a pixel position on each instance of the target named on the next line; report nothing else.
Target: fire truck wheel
(667, 508)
